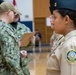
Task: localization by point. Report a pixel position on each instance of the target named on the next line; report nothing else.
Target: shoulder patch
(71, 56)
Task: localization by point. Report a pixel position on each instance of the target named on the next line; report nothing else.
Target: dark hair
(1, 1)
(70, 13)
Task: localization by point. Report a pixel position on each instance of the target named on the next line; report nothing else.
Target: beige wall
(41, 11)
(41, 8)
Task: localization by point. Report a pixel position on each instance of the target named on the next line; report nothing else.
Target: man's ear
(8, 12)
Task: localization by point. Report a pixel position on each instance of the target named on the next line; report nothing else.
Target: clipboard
(25, 39)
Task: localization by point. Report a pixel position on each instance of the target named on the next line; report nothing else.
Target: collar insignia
(55, 4)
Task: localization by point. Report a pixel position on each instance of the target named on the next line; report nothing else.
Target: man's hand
(32, 40)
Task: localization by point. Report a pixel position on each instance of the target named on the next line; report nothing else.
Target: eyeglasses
(14, 13)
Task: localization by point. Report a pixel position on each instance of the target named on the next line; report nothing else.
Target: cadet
(19, 30)
(63, 59)
(9, 53)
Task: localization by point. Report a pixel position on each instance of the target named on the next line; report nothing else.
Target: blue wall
(28, 24)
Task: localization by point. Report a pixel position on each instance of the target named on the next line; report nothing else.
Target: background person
(20, 29)
(38, 37)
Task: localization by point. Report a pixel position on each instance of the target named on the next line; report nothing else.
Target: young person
(63, 59)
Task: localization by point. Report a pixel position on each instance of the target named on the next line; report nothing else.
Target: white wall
(8, 0)
(26, 9)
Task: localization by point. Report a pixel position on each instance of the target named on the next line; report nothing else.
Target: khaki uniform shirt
(55, 38)
(56, 42)
(63, 59)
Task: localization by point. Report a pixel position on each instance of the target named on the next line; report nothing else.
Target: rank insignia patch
(71, 56)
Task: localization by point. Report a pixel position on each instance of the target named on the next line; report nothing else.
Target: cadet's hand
(23, 53)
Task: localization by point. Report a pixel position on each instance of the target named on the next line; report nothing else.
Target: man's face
(16, 18)
(10, 16)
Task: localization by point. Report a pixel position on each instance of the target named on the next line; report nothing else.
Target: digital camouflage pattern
(9, 53)
(19, 31)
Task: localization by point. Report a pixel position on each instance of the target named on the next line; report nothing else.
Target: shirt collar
(69, 35)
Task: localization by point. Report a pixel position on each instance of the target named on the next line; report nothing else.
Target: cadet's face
(58, 22)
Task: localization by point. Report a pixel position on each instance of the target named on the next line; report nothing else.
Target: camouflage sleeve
(25, 28)
(28, 29)
(10, 52)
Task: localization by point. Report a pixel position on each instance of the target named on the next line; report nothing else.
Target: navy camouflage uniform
(10, 52)
(19, 30)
